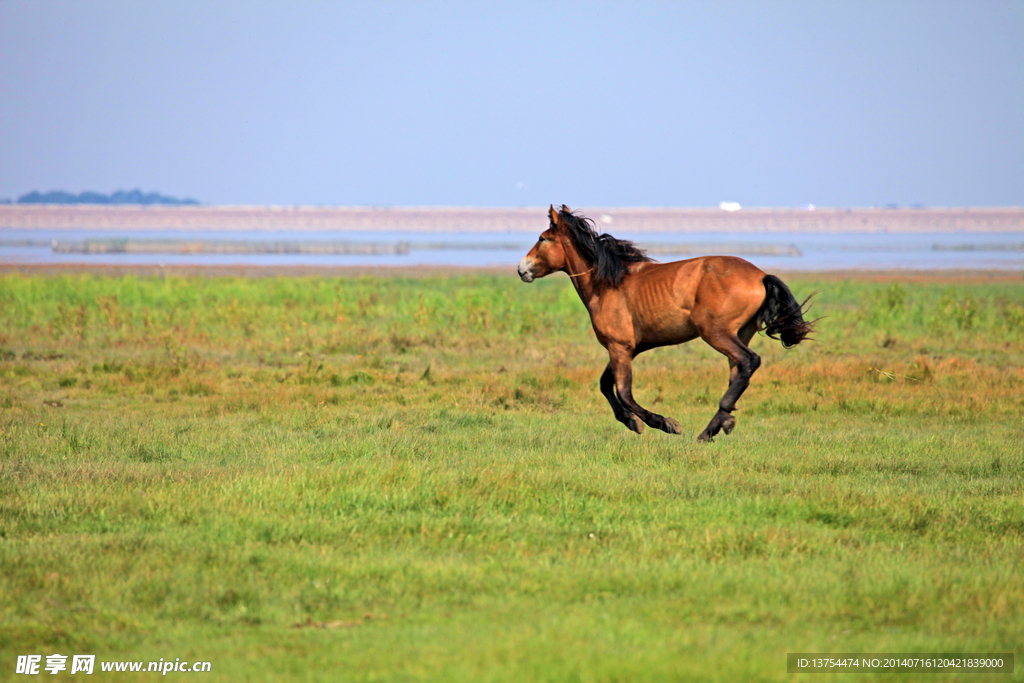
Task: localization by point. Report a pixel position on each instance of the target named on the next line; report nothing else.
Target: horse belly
(664, 327)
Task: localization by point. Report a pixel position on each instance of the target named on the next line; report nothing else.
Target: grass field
(406, 479)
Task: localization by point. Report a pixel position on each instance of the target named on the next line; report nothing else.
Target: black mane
(607, 256)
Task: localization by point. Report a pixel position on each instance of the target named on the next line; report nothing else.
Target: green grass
(192, 468)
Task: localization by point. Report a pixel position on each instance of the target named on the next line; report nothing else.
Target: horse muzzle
(526, 270)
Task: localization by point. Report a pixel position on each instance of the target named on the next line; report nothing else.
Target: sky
(767, 103)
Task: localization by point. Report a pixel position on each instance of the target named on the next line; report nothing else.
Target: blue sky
(517, 104)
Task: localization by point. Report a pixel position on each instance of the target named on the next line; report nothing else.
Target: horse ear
(566, 209)
(553, 215)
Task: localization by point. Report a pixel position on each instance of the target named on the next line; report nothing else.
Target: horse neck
(580, 272)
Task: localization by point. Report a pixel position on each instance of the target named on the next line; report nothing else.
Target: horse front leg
(622, 414)
(621, 366)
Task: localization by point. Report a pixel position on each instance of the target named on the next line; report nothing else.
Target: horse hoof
(672, 426)
(635, 425)
(728, 424)
(705, 437)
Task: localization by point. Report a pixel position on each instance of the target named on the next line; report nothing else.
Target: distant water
(803, 251)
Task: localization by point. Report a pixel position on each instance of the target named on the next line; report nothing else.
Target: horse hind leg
(724, 420)
(622, 414)
(743, 362)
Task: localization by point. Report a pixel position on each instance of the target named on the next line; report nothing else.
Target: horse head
(548, 254)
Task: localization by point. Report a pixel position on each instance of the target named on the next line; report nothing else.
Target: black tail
(781, 317)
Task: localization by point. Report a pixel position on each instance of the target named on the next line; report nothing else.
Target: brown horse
(636, 304)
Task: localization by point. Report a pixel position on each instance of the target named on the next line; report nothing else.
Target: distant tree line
(119, 197)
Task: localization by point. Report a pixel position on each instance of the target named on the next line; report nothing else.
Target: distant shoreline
(951, 276)
(505, 220)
